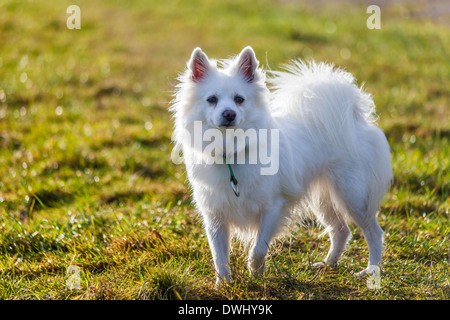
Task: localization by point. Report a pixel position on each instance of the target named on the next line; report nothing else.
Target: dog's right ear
(198, 64)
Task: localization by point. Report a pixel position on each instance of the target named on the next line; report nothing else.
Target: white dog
(327, 155)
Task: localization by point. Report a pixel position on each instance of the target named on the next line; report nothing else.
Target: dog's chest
(213, 190)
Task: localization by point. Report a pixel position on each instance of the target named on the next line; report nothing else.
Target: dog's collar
(233, 179)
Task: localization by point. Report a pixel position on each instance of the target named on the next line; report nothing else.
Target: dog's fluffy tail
(337, 115)
(323, 98)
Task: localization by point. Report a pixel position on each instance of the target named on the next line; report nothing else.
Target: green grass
(85, 142)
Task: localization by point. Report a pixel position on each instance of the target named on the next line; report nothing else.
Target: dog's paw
(370, 271)
(324, 265)
(319, 265)
(257, 271)
(362, 274)
(257, 264)
(221, 282)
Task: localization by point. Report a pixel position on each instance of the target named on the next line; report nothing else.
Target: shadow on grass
(123, 197)
(52, 199)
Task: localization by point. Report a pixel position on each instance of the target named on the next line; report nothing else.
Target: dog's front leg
(270, 225)
(219, 241)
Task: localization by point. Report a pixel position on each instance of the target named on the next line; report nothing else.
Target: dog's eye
(238, 99)
(212, 99)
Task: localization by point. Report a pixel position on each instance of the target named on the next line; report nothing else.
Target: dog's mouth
(224, 124)
(227, 124)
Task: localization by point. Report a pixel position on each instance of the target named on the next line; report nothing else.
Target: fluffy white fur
(333, 161)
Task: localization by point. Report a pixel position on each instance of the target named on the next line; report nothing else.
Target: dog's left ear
(247, 64)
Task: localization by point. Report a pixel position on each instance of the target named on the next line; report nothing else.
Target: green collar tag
(233, 179)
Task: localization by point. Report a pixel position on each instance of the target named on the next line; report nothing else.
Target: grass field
(86, 177)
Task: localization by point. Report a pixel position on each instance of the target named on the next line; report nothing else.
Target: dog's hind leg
(362, 206)
(339, 236)
(373, 235)
(338, 230)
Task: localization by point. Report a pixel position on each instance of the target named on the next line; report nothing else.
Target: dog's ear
(247, 64)
(198, 64)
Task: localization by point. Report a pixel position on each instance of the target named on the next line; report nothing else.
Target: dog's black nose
(229, 115)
